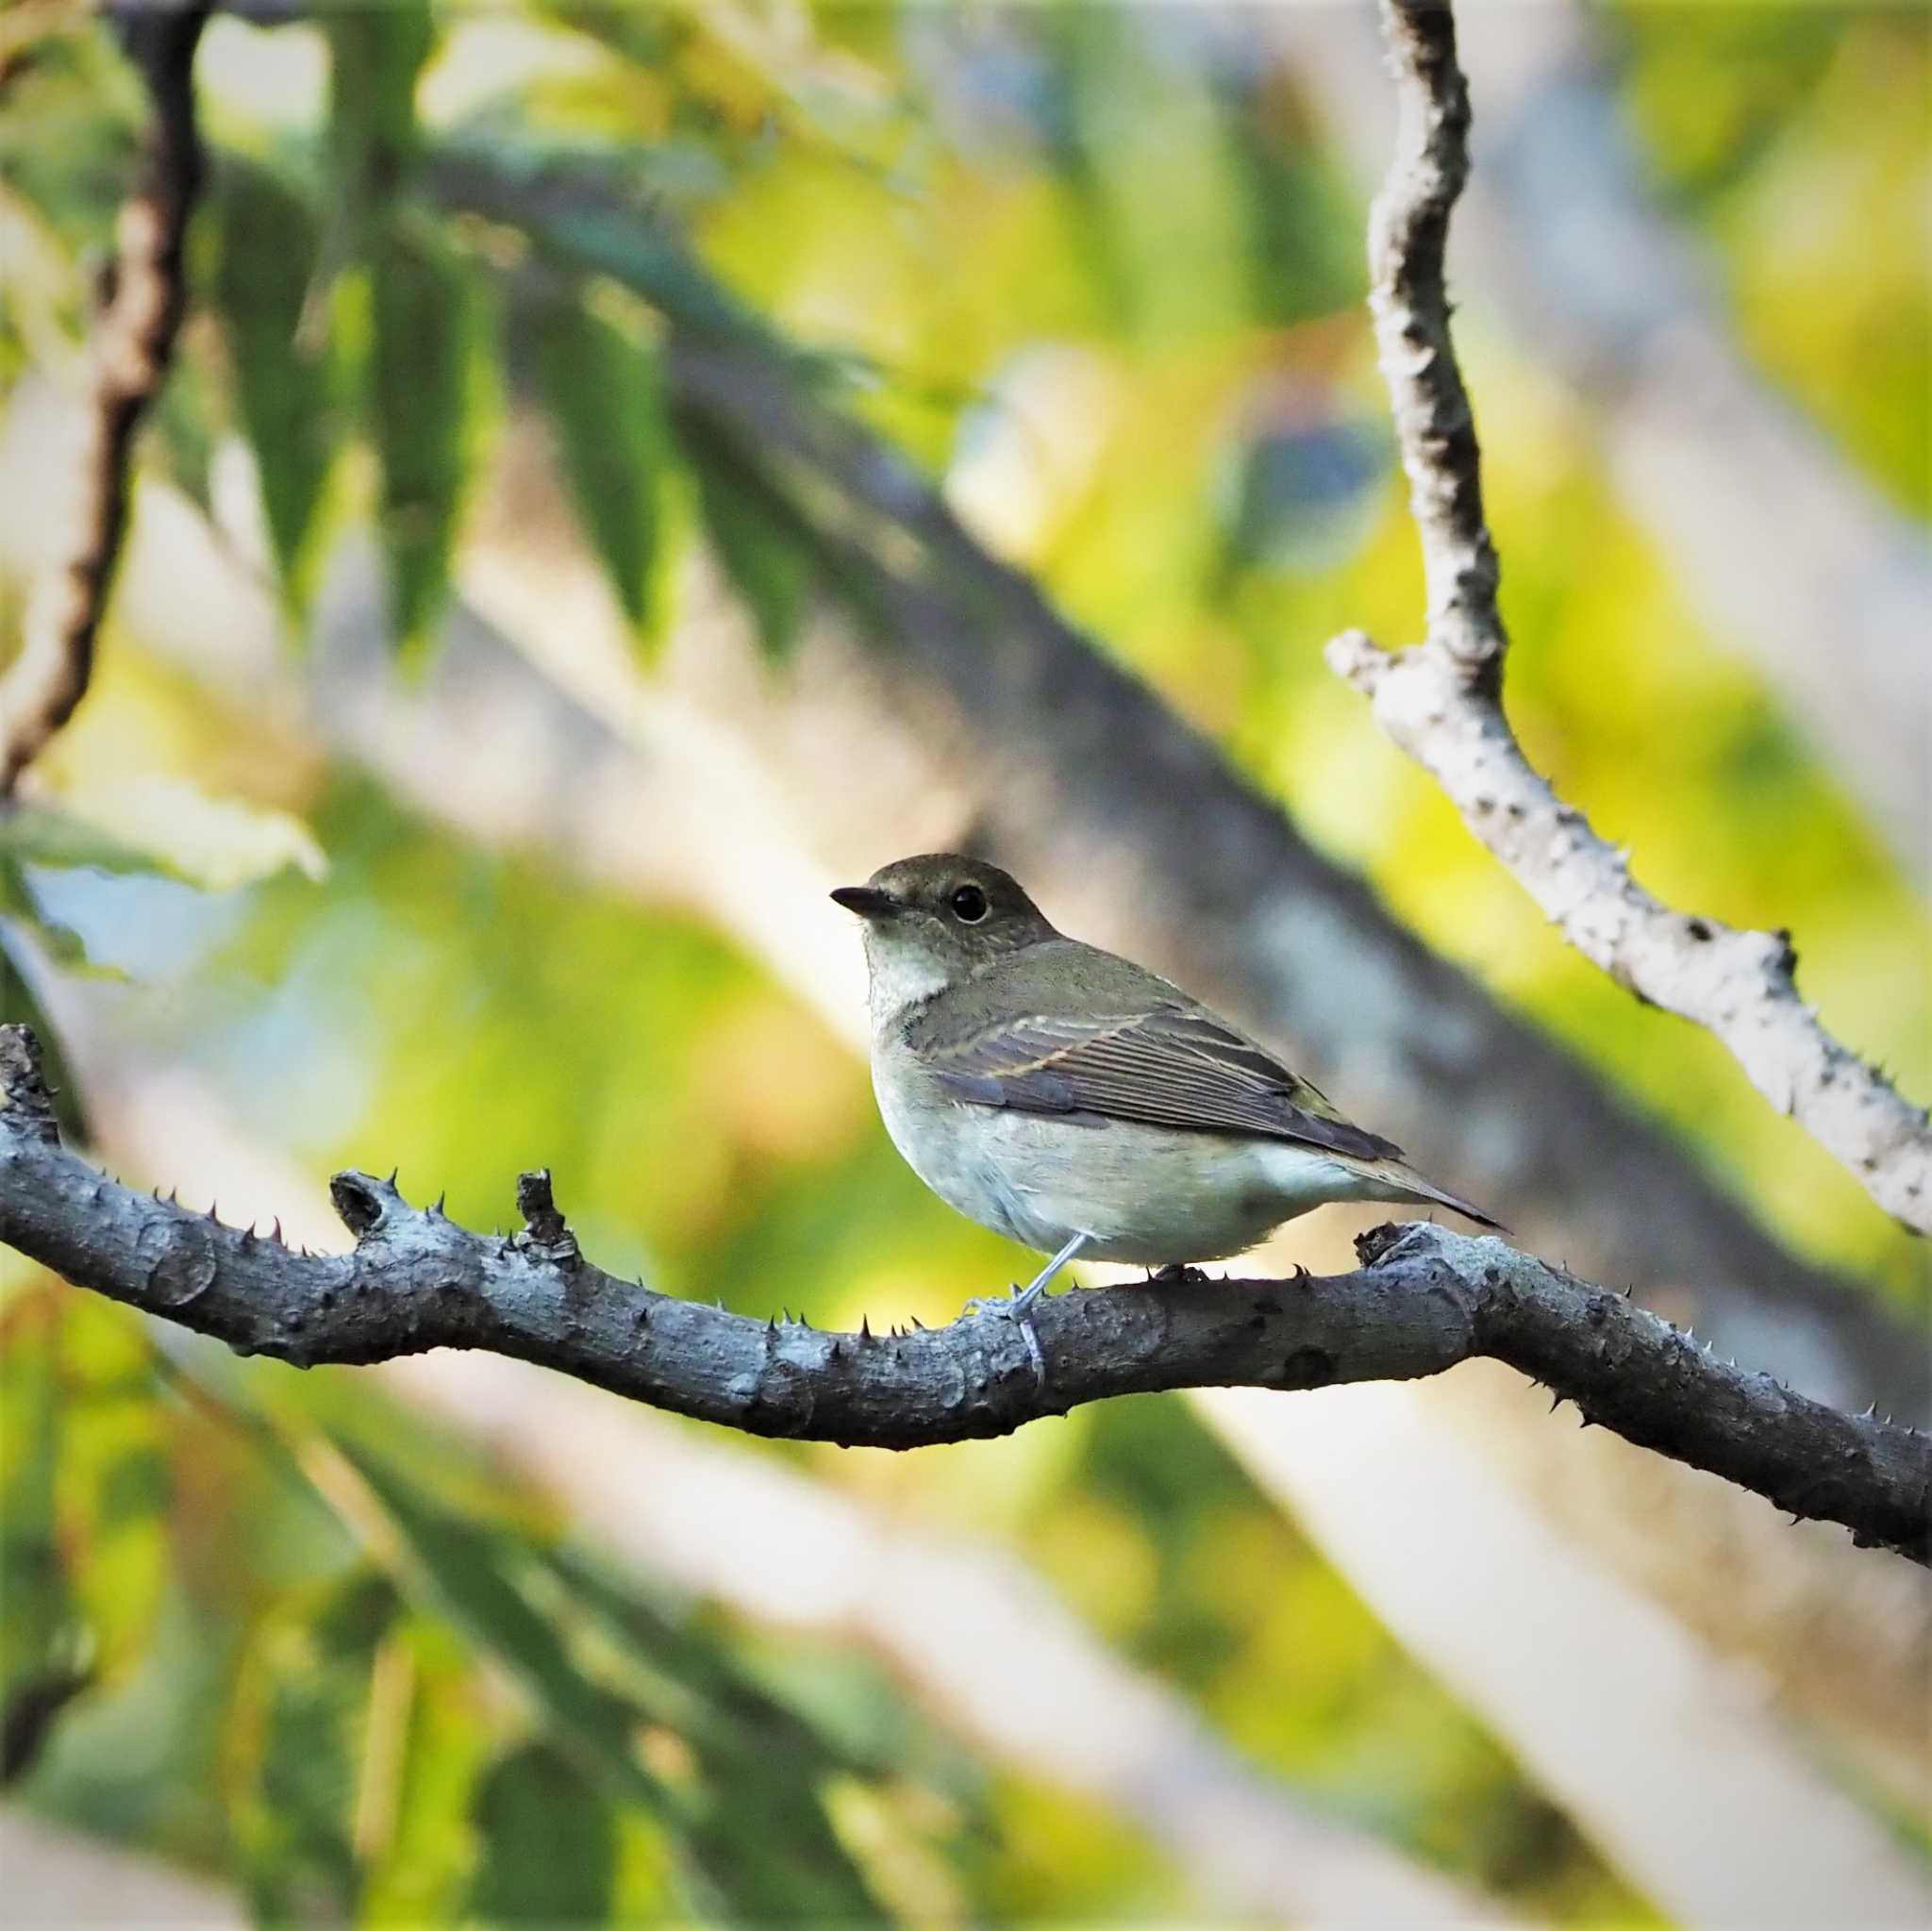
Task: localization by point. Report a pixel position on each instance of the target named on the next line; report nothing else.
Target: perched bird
(1079, 1104)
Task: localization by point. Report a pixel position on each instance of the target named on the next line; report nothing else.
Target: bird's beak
(867, 900)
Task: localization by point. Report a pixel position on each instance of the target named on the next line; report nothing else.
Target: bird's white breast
(1140, 1193)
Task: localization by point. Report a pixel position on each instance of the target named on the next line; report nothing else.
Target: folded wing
(1174, 1066)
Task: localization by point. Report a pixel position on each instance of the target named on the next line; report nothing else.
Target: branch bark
(1422, 1300)
(133, 343)
(1442, 701)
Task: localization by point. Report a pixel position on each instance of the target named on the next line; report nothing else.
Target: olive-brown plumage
(1077, 1102)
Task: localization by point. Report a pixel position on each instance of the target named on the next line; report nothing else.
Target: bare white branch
(1442, 701)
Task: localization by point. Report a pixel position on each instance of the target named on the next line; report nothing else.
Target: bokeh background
(476, 733)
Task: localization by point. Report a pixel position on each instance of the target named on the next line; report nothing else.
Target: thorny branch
(1442, 701)
(133, 341)
(1422, 1300)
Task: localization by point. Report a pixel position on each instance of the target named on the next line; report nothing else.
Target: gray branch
(1422, 1300)
(1442, 701)
(133, 343)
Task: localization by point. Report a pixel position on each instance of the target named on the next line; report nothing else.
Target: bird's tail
(1405, 1184)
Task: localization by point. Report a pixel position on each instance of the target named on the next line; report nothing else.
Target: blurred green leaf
(757, 538)
(604, 399)
(419, 397)
(44, 1659)
(376, 53)
(654, 1720)
(467, 1568)
(115, 1484)
(46, 835)
(157, 823)
(285, 377)
(759, 1772)
(418, 1827)
(87, 1485)
(549, 1839)
(303, 1718)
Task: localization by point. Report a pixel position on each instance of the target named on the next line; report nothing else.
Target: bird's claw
(1014, 1308)
(1176, 1273)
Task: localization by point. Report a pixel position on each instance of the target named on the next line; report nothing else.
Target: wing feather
(1173, 1066)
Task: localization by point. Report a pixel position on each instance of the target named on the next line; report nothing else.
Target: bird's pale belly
(1140, 1193)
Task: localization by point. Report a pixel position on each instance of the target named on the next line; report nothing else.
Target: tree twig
(133, 343)
(1441, 702)
(1422, 1300)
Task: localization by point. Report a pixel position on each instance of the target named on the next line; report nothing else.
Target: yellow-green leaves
(418, 395)
(650, 1716)
(286, 379)
(84, 1471)
(601, 390)
(306, 1731)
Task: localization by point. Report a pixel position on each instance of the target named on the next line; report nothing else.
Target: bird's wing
(1173, 1065)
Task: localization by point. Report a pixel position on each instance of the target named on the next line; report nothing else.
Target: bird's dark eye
(969, 904)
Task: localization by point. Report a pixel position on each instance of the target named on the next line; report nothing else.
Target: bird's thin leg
(1036, 1285)
(1016, 1304)
(1023, 1298)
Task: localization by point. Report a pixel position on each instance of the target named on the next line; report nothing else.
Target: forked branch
(1442, 701)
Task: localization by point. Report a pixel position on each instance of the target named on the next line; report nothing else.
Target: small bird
(1077, 1103)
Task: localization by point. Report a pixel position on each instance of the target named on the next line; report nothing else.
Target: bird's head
(933, 920)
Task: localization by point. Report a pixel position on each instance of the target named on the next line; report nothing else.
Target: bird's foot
(1175, 1273)
(1014, 1308)
(1015, 1304)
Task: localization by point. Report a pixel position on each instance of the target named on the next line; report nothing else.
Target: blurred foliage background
(1100, 270)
